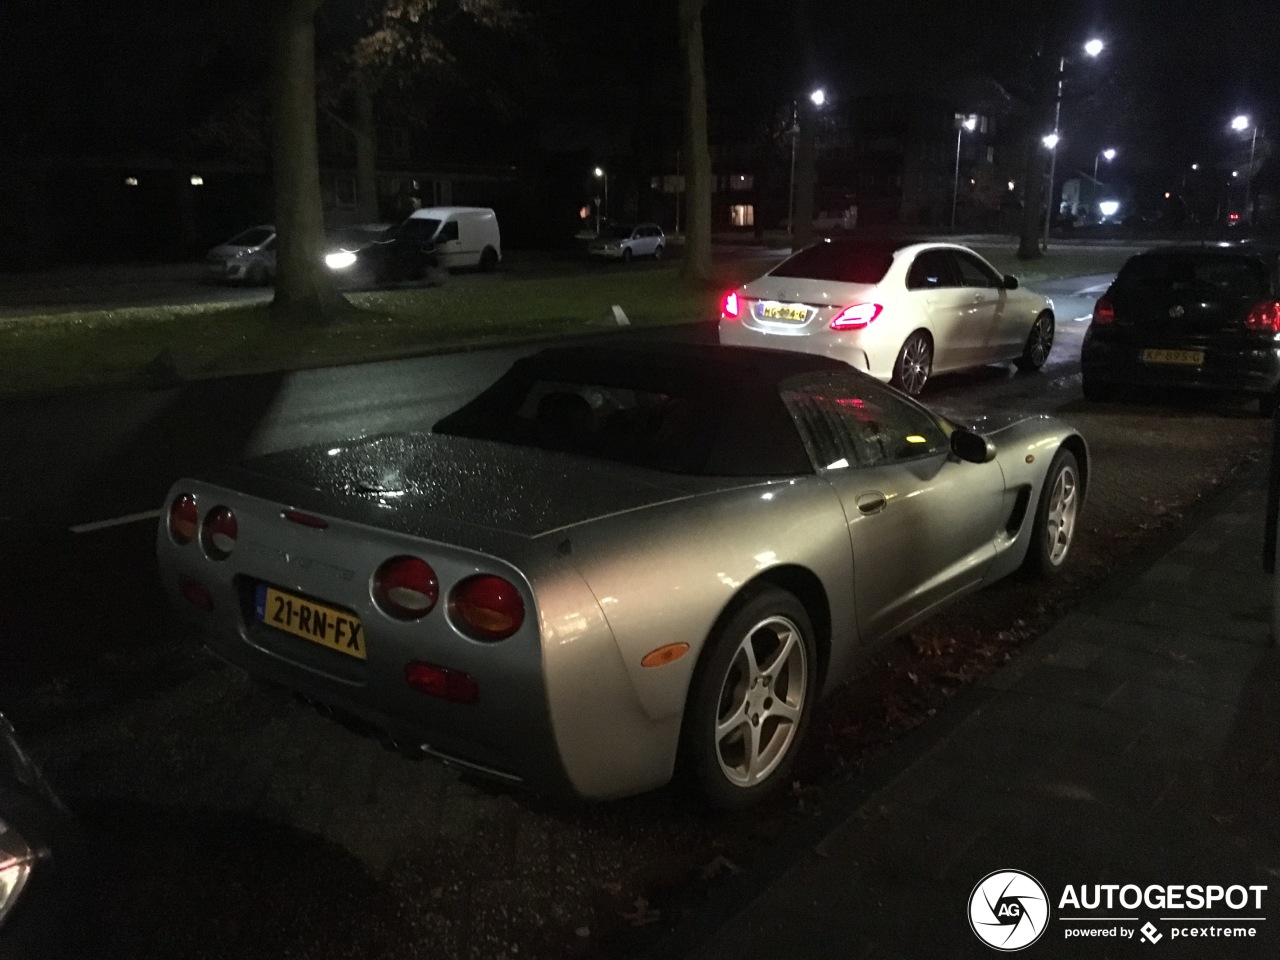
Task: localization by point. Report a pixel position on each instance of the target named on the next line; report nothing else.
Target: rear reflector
(195, 593)
(486, 608)
(405, 588)
(1103, 312)
(856, 317)
(731, 307)
(306, 519)
(442, 682)
(184, 519)
(1265, 317)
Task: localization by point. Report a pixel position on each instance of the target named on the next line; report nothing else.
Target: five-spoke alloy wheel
(1055, 523)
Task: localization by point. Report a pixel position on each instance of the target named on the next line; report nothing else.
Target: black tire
(488, 260)
(1039, 343)
(1050, 544)
(657, 252)
(720, 768)
(1095, 390)
(626, 254)
(914, 366)
(1267, 404)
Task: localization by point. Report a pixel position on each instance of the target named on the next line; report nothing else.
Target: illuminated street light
(1092, 47)
(1108, 208)
(969, 123)
(1108, 154)
(1051, 140)
(1240, 124)
(1195, 166)
(601, 175)
(817, 98)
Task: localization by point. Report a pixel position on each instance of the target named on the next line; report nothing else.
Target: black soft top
(732, 421)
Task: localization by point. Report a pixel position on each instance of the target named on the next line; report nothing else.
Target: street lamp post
(1092, 48)
(1242, 123)
(601, 175)
(968, 123)
(1110, 155)
(817, 98)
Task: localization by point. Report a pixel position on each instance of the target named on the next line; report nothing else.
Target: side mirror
(1010, 282)
(972, 447)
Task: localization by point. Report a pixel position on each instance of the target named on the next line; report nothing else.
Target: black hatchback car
(1200, 317)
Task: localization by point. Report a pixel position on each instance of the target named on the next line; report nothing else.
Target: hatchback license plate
(790, 312)
(311, 621)
(1190, 358)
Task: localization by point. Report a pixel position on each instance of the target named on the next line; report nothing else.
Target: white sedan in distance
(900, 311)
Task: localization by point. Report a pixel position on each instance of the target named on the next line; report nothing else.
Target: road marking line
(117, 521)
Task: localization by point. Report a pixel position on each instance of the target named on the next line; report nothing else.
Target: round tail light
(486, 607)
(405, 588)
(218, 535)
(184, 519)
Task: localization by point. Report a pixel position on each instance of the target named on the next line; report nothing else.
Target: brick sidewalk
(1135, 743)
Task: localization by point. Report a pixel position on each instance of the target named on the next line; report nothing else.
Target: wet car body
(625, 542)
(1205, 318)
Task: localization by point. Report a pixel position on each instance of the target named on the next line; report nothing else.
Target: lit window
(743, 215)
(197, 180)
(130, 181)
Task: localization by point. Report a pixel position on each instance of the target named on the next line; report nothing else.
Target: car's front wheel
(914, 364)
(657, 252)
(750, 700)
(1039, 343)
(626, 254)
(1054, 528)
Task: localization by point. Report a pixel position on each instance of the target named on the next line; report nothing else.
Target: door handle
(872, 502)
(978, 297)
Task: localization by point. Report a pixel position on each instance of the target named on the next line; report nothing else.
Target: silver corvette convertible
(617, 562)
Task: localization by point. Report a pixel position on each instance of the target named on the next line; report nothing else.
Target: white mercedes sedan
(898, 311)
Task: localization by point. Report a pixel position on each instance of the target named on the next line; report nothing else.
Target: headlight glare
(340, 260)
(16, 861)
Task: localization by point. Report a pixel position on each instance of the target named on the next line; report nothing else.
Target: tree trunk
(366, 136)
(304, 289)
(697, 155)
(806, 179)
(1033, 199)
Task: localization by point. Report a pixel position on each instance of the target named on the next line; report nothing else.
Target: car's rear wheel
(489, 260)
(1054, 528)
(657, 252)
(1039, 343)
(750, 700)
(914, 365)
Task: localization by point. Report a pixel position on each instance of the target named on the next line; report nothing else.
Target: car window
(418, 228)
(973, 272)
(254, 236)
(838, 262)
(1227, 274)
(931, 269)
(853, 421)
(449, 231)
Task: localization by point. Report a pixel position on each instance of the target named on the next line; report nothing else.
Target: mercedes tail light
(856, 317)
(218, 535)
(1265, 317)
(485, 607)
(405, 588)
(1104, 312)
(184, 519)
(732, 306)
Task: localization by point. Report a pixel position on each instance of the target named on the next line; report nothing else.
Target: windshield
(617, 231)
(253, 237)
(417, 228)
(837, 262)
(1209, 271)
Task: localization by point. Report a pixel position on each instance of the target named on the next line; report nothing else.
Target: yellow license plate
(790, 312)
(311, 621)
(1191, 358)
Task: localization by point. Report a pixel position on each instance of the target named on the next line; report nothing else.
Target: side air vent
(1019, 511)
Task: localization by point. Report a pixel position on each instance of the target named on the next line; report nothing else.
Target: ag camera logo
(1008, 910)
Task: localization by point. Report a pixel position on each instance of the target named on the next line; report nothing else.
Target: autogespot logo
(1008, 910)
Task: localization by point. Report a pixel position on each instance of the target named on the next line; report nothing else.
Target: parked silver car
(248, 257)
(617, 561)
(623, 241)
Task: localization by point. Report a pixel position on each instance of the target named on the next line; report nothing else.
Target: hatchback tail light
(486, 607)
(1265, 317)
(184, 519)
(1104, 312)
(732, 306)
(856, 317)
(218, 535)
(405, 588)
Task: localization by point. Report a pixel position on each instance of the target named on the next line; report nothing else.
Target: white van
(463, 236)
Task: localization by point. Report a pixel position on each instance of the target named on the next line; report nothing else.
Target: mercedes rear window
(1224, 274)
(837, 262)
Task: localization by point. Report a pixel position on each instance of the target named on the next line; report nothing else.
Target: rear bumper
(737, 334)
(1253, 370)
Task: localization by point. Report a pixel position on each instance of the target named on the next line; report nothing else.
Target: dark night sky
(1174, 73)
